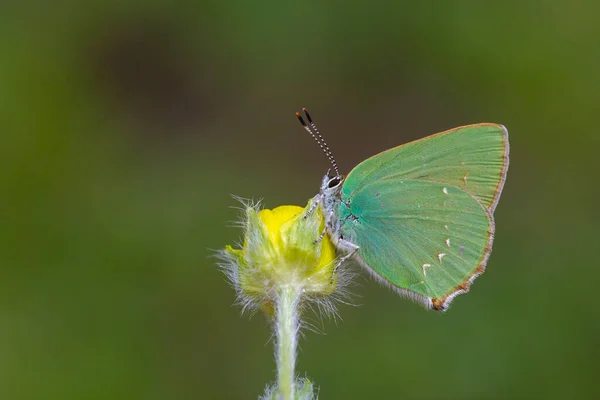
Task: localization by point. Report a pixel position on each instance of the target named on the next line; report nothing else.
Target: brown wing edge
(500, 185)
(442, 303)
(503, 173)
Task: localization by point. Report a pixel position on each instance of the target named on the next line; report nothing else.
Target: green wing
(473, 158)
(421, 213)
(427, 239)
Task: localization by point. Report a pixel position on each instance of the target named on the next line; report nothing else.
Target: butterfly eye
(333, 182)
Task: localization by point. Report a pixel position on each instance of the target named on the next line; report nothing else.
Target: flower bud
(283, 247)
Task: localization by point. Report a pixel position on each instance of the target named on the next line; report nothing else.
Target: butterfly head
(331, 186)
(329, 198)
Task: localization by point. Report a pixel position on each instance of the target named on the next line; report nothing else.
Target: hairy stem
(287, 327)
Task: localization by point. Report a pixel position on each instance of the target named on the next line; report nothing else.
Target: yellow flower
(282, 247)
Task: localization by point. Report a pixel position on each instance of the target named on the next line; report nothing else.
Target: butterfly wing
(473, 158)
(428, 240)
(421, 213)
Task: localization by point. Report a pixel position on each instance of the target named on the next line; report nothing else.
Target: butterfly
(419, 217)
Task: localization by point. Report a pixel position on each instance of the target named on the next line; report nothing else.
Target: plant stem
(287, 329)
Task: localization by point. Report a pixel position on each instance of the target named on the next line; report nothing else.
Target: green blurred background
(125, 126)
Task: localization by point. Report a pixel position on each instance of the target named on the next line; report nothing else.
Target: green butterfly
(419, 217)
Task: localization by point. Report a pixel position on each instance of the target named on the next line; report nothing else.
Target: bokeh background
(125, 126)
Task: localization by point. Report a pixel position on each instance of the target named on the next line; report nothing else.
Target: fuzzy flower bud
(283, 247)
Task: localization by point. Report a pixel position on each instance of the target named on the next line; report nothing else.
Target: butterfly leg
(321, 236)
(313, 207)
(350, 248)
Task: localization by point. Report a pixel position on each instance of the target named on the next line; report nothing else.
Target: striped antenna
(318, 138)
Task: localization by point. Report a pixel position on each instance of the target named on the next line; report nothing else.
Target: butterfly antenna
(318, 138)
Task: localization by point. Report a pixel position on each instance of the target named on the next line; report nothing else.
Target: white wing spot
(445, 190)
(440, 256)
(424, 268)
(448, 242)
